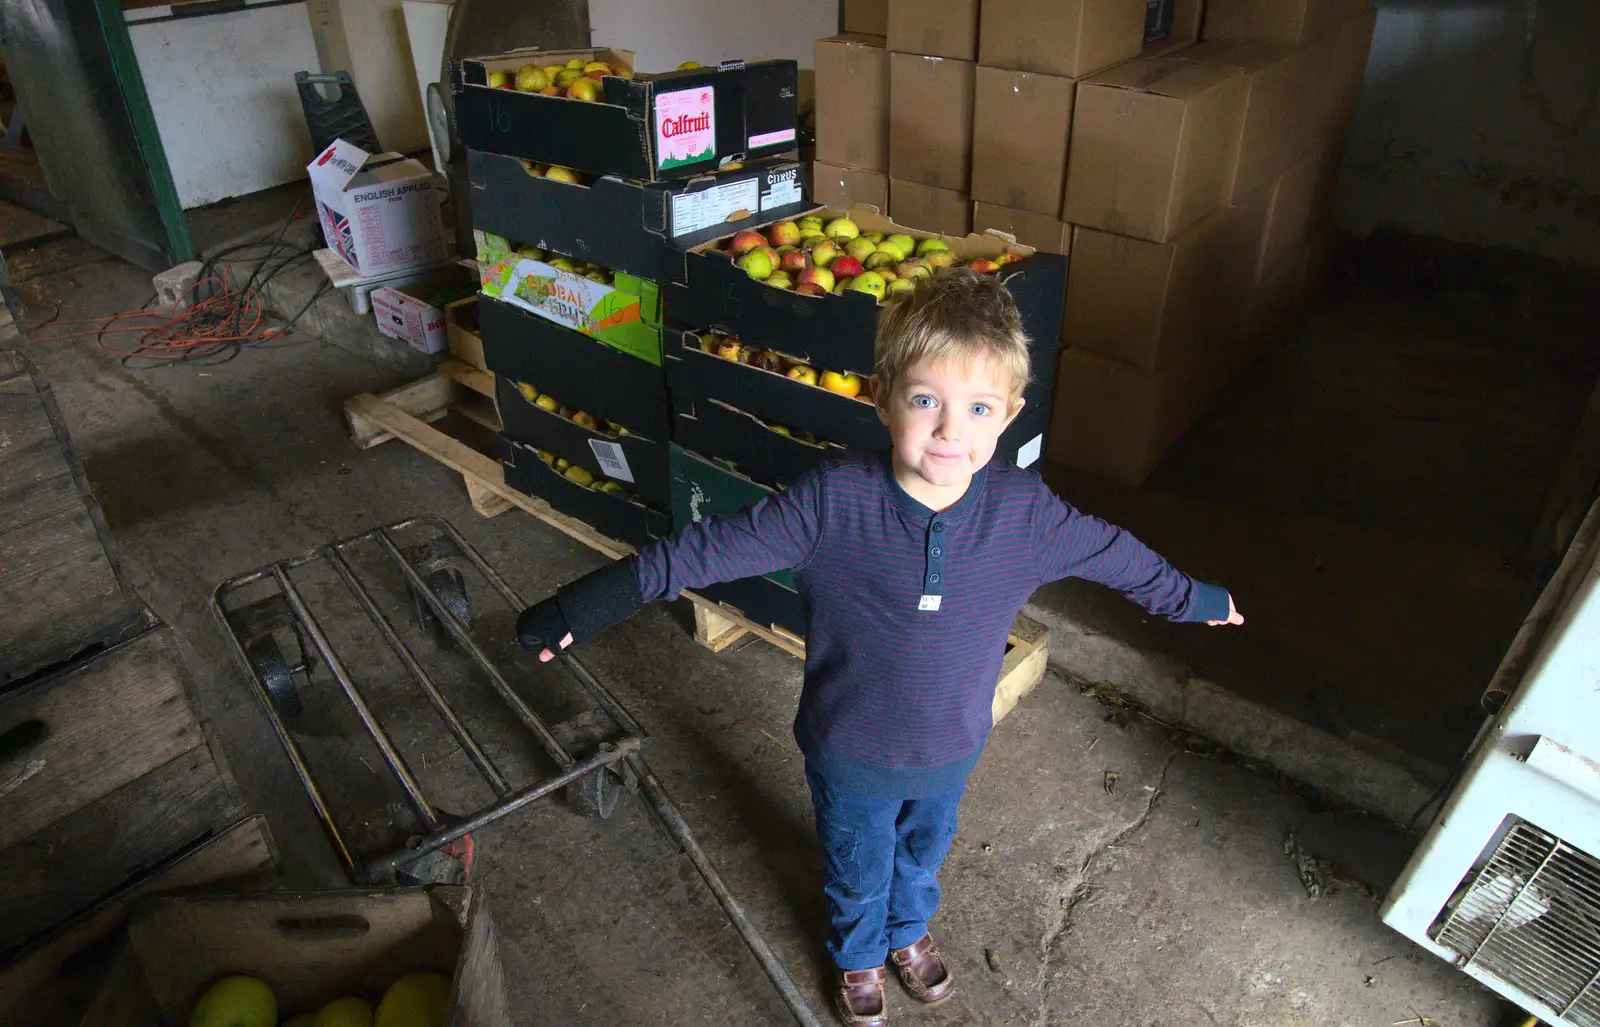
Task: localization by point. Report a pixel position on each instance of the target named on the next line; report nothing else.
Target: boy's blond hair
(955, 314)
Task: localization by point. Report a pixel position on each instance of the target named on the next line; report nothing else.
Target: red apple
(784, 233)
(819, 276)
(746, 241)
(845, 266)
(792, 261)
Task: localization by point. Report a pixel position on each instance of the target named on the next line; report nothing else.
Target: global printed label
(686, 127)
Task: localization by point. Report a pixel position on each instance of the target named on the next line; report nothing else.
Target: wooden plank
(485, 502)
(49, 984)
(426, 399)
(35, 475)
(1027, 656)
(479, 412)
(90, 854)
(476, 379)
(716, 630)
(107, 721)
(61, 592)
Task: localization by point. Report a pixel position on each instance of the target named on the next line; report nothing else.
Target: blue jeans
(880, 861)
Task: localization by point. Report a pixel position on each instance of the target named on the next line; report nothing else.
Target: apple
(793, 262)
(810, 221)
(598, 275)
(810, 289)
(869, 282)
(878, 259)
(576, 63)
(708, 342)
(530, 79)
(901, 287)
(886, 273)
(803, 373)
(1008, 258)
(841, 285)
(559, 464)
(983, 266)
(562, 264)
(930, 245)
(845, 266)
(784, 233)
(916, 267)
(584, 420)
(594, 66)
(809, 237)
(550, 91)
(612, 488)
(622, 71)
(841, 228)
(557, 173)
(729, 349)
(530, 252)
(586, 89)
(746, 241)
(939, 258)
(860, 248)
(565, 77)
(876, 237)
(780, 429)
(499, 80)
(845, 384)
(236, 1001)
(757, 264)
(907, 245)
(818, 276)
(529, 393)
(552, 70)
(690, 65)
(547, 402)
(579, 475)
(824, 253)
(780, 280)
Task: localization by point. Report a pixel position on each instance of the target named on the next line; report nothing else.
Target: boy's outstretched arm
(1072, 544)
(779, 533)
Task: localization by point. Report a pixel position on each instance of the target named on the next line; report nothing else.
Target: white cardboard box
(417, 322)
(379, 212)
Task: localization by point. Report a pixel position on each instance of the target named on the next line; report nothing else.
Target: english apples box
(836, 331)
(928, 209)
(1072, 38)
(641, 228)
(638, 463)
(1292, 22)
(379, 212)
(624, 518)
(852, 75)
(1154, 141)
(937, 28)
(1020, 124)
(585, 374)
(833, 185)
(1151, 305)
(624, 313)
(930, 120)
(650, 127)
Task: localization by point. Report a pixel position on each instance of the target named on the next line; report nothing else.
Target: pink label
(772, 138)
(686, 127)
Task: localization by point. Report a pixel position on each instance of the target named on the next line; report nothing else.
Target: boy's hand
(1234, 617)
(540, 625)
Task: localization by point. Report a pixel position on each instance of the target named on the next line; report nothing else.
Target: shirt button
(933, 579)
(935, 551)
(938, 525)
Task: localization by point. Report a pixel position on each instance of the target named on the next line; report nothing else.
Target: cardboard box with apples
(612, 512)
(825, 310)
(636, 227)
(646, 127)
(605, 451)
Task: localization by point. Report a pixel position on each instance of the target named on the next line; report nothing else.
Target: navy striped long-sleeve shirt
(908, 610)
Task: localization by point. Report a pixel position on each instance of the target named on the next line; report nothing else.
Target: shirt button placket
(934, 575)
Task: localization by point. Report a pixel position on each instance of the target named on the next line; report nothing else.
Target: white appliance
(1506, 884)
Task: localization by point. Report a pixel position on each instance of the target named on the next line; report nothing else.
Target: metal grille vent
(1531, 917)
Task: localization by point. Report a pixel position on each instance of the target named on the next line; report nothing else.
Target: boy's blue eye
(925, 402)
(981, 409)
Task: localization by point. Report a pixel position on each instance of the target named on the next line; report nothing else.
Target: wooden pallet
(408, 413)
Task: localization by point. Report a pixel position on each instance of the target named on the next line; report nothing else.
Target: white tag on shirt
(929, 602)
(613, 464)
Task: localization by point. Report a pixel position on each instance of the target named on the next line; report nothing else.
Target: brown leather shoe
(860, 999)
(922, 970)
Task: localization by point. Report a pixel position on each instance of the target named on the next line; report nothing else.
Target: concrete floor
(1103, 874)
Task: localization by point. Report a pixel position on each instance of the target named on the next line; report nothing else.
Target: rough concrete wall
(1469, 132)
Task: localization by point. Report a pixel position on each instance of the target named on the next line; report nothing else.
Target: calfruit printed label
(686, 127)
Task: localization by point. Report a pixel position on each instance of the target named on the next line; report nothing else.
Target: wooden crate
(311, 947)
(61, 591)
(108, 774)
(406, 414)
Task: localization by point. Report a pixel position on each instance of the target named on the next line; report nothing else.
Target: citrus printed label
(686, 127)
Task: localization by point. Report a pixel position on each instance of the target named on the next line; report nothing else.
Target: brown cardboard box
(1074, 38)
(1037, 230)
(1297, 203)
(931, 210)
(1292, 22)
(1153, 145)
(938, 28)
(1119, 422)
(836, 186)
(853, 101)
(930, 120)
(1021, 121)
(1274, 302)
(1152, 305)
(867, 16)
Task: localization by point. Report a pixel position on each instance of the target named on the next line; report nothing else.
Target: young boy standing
(912, 566)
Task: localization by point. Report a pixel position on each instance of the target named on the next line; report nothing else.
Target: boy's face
(946, 417)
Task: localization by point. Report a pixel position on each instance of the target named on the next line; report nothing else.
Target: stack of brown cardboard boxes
(852, 154)
(1197, 186)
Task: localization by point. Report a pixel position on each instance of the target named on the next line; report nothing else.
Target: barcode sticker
(613, 464)
(1029, 451)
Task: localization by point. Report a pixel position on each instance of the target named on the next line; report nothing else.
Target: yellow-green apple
(939, 258)
(584, 420)
(878, 258)
(586, 89)
(599, 275)
(545, 455)
(841, 285)
(845, 384)
(579, 475)
(757, 263)
(236, 1001)
(563, 264)
(845, 266)
(780, 429)
(906, 244)
(901, 287)
(746, 241)
(803, 373)
(824, 253)
(499, 80)
(916, 267)
(594, 66)
(548, 402)
(709, 341)
(529, 393)
(531, 78)
(557, 173)
(690, 65)
(841, 228)
(784, 233)
(819, 276)
(780, 280)
(860, 248)
(869, 282)
(886, 273)
(929, 245)
(809, 223)
(560, 465)
(808, 237)
(876, 237)
(613, 488)
(576, 63)
(729, 349)
(530, 252)
(792, 261)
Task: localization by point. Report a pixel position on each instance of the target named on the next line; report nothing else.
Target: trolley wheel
(451, 588)
(266, 659)
(595, 795)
